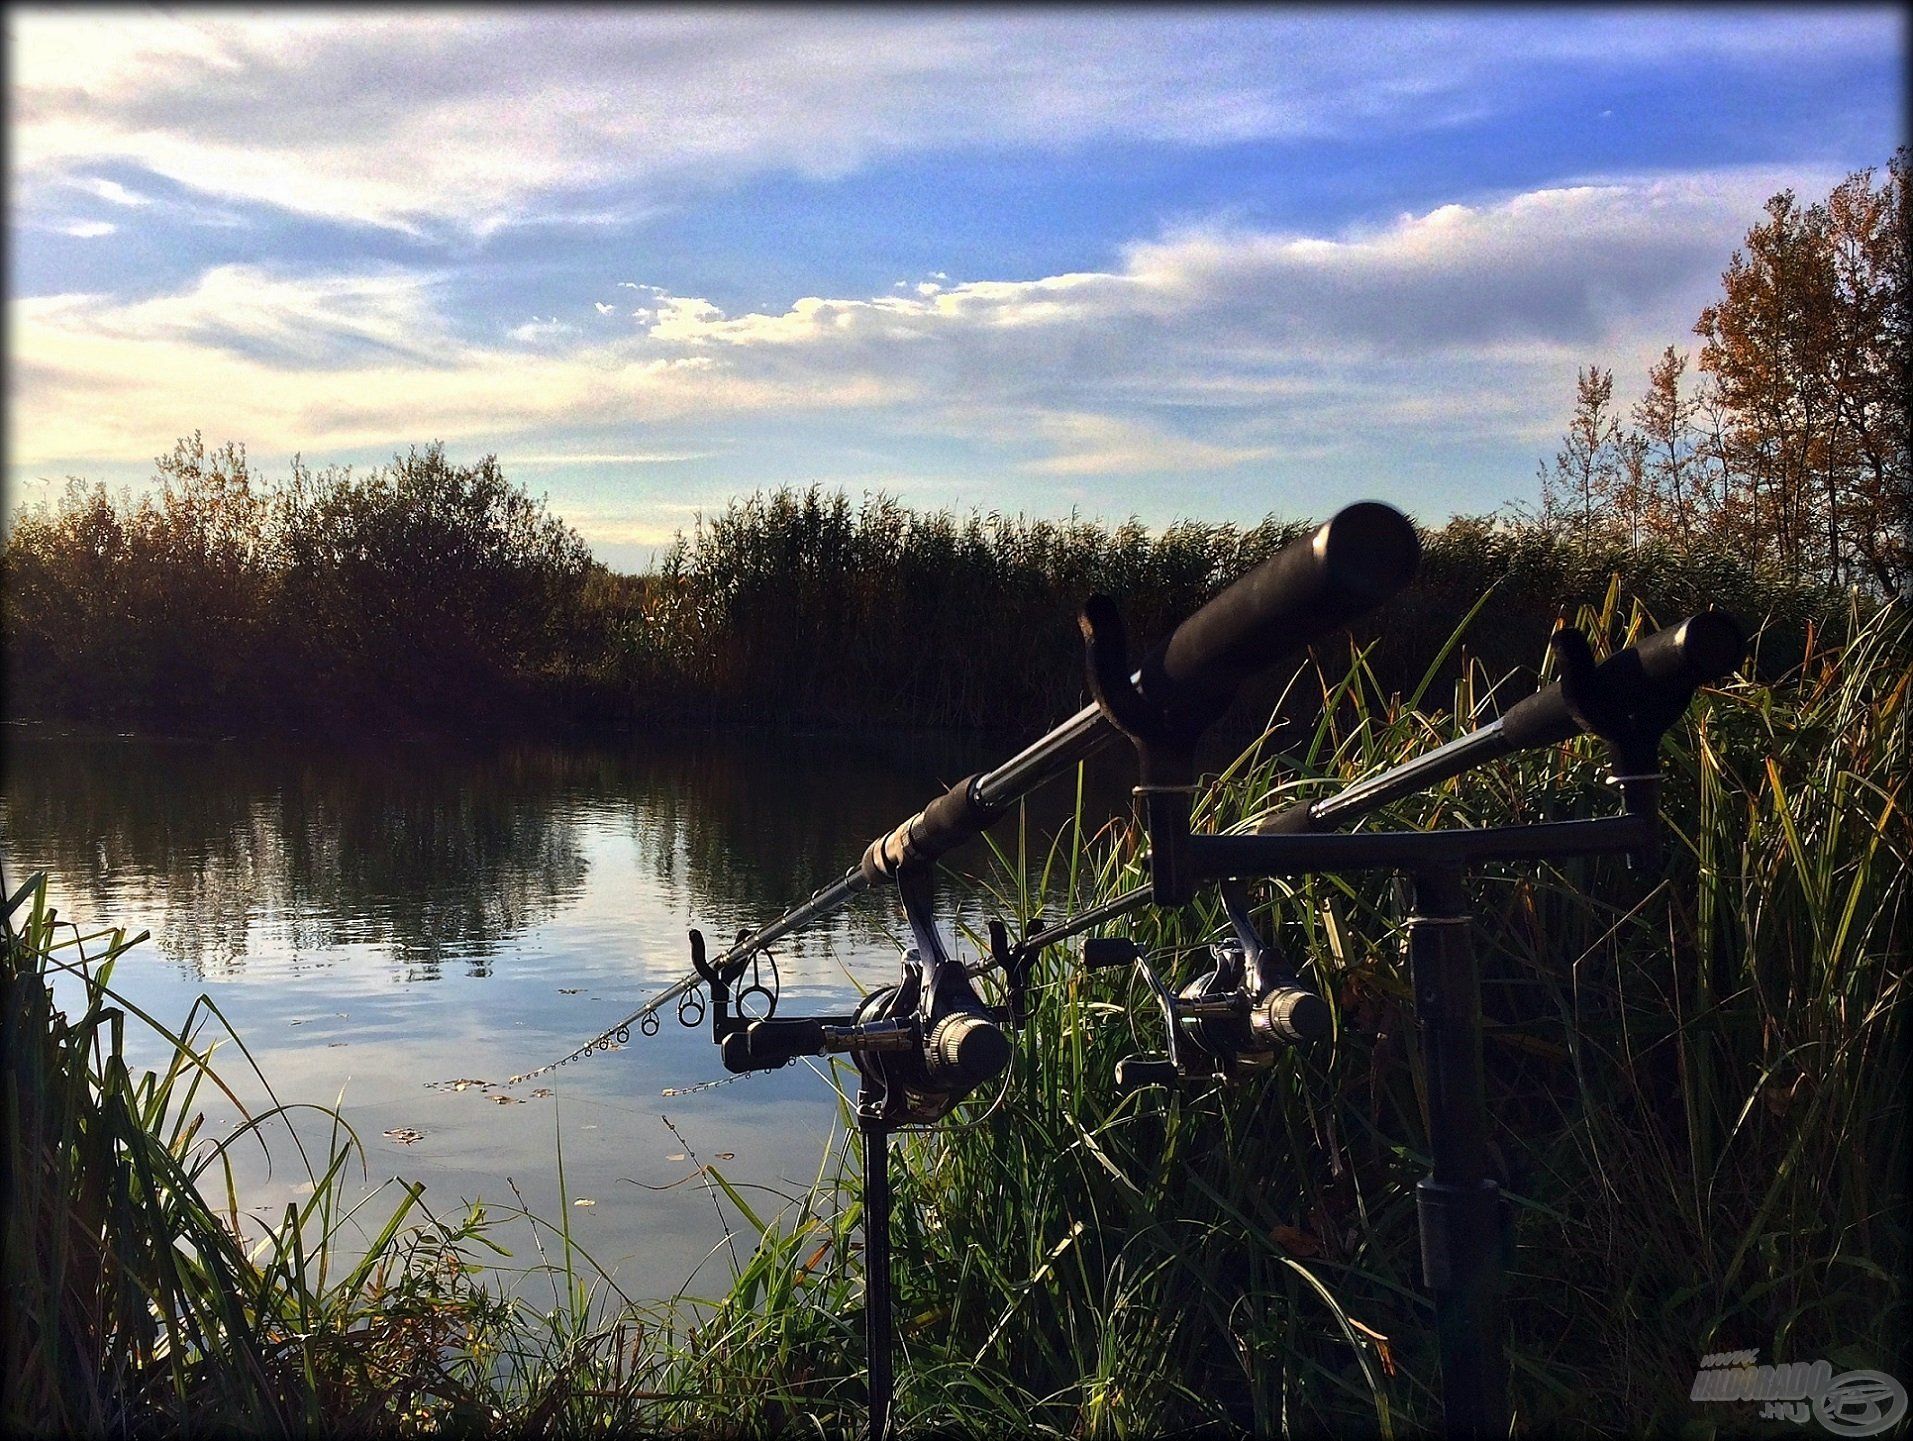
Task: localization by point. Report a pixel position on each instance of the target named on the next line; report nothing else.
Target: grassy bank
(435, 596)
(1698, 1083)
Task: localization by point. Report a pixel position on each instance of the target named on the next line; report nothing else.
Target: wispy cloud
(111, 191)
(603, 458)
(477, 120)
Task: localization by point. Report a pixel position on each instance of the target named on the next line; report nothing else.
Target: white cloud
(332, 362)
(1203, 351)
(1106, 445)
(330, 113)
(89, 229)
(110, 191)
(536, 331)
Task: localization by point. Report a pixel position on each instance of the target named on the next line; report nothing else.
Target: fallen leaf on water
(334, 1045)
(404, 1135)
(501, 1099)
(463, 1083)
(569, 990)
(678, 1157)
(582, 1201)
(299, 1022)
(541, 1093)
(727, 1155)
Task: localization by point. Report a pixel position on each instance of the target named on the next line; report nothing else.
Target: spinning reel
(1230, 1023)
(920, 1046)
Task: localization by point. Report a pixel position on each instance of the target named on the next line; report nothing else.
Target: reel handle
(1135, 1072)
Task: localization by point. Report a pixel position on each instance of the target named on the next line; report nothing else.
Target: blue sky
(1162, 263)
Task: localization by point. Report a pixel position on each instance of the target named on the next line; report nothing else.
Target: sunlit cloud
(1205, 349)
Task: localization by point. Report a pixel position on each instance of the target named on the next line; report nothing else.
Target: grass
(1698, 1076)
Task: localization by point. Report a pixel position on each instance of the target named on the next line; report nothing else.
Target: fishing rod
(1349, 565)
(1670, 663)
(923, 1044)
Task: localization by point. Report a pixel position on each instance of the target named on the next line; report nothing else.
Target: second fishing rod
(1350, 564)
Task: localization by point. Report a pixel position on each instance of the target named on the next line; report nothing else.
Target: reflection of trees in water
(429, 855)
(441, 855)
(755, 824)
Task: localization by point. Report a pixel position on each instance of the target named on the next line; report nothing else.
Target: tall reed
(137, 1299)
(1698, 1078)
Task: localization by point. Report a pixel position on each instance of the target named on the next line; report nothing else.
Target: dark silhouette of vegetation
(438, 597)
(422, 593)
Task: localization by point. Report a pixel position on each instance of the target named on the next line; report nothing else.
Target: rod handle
(1661, 671)
(1101, 951)
(1354, 561)
(765, 1045)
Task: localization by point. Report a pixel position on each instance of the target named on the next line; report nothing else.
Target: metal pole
(877, 1323)
(1462, 1225)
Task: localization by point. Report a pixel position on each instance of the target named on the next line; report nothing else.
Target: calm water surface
(377, 922)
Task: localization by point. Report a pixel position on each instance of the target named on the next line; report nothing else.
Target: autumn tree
(1792, 450)
(1587, 468)
(1807, 349)
(1671, 449)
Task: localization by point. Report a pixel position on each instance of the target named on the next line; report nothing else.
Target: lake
(380, 922)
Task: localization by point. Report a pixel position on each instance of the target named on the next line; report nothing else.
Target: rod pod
(879, 1325)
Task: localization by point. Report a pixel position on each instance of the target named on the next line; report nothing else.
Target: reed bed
(430, 595)
(1698, 1078)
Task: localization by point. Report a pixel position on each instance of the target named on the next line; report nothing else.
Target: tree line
(1789, 444)
(437, 596)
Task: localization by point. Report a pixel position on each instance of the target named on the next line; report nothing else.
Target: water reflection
(436, 856)
(540, 890)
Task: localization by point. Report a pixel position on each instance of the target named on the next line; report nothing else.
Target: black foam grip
(1666, 667)
(1356, 560)
(943, 825)
(1100, 951)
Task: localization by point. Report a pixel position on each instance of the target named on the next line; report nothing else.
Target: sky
(1208, 264)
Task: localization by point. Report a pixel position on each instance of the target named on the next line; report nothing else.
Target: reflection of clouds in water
(542, 890)
(423, 861)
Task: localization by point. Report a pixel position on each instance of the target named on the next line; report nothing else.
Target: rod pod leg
(1459, 1204)
(876, 1226)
